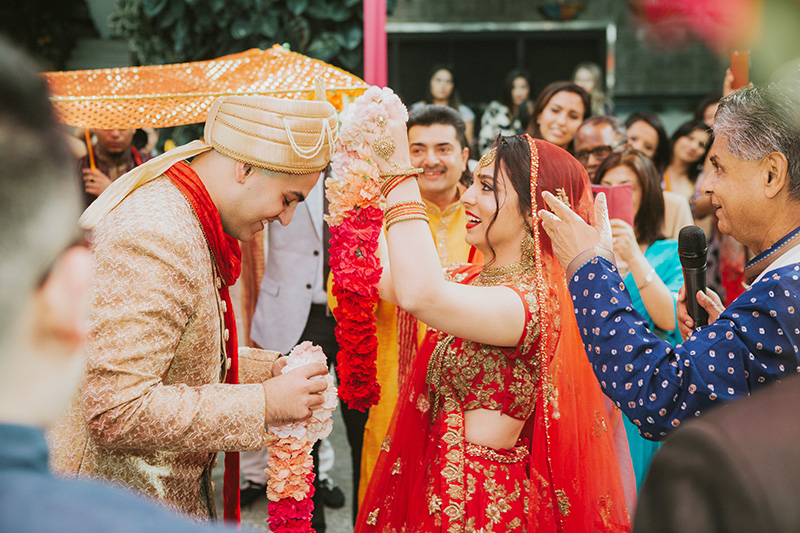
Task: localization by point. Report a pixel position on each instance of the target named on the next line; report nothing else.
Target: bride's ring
(384, 147)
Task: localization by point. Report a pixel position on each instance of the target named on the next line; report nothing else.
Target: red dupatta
(228, 261)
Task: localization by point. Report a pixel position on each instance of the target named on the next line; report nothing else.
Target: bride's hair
(513, 157)
(557, 171)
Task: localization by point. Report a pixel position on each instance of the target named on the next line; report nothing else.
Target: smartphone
(619, 199)
(740, 67)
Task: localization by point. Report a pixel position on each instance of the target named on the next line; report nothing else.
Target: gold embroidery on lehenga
(464, 375)
(434, 375)
(434, 504)
(386, 444)
(563, 502)
(599, 426)
(551, 395)
(519, 453)
(606, 505)
(396, 467)
(457, 492)
(452, 472)
(423, 404)
(503, 499)
(453, 511)
(372, 518)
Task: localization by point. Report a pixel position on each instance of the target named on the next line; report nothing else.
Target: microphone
(692, 251)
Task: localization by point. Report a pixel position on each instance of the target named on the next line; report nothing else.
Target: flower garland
(290, 467)
(356, 220)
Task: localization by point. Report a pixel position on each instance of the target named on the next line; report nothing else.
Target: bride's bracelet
(402, 211)
(393, 178)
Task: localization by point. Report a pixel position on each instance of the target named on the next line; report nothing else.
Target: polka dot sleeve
(755, 341)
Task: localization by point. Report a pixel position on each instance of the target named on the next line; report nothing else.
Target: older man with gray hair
(755, 190)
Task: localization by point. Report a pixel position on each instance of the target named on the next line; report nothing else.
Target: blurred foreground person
(736, 470)
(45, 286)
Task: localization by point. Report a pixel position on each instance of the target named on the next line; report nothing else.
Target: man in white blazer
(291, 307)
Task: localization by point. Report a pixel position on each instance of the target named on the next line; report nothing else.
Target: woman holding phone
(648, 262)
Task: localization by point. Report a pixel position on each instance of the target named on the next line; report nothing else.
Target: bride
(502, 425)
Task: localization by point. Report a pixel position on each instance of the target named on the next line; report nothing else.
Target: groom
(166, 386)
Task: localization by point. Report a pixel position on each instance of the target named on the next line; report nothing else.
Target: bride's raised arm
(489, 315)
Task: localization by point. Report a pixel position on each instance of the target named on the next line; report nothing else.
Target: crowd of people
(533, 351)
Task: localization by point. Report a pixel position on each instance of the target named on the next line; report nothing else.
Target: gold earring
(528, 244)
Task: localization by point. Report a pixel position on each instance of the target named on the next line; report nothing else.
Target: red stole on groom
(228, 259)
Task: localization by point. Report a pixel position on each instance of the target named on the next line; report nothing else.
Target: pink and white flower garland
(290, 468)
(356, 220)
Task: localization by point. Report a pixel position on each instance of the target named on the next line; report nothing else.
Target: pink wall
(375, 42)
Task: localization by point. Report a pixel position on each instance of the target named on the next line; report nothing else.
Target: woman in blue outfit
(648, 262)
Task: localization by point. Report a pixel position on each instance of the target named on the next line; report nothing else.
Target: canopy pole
(375, 57)
(88, 137)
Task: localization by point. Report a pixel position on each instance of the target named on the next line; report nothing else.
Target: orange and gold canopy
(160, 96)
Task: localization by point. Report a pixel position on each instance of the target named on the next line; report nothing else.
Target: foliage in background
(47, 29)
(176, 31)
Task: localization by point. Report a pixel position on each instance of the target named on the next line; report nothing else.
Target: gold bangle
(389, 184)
(411, 208)
(408, 205)
(410, 216)
(410, 171)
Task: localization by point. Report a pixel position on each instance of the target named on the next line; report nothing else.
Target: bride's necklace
(494, 275)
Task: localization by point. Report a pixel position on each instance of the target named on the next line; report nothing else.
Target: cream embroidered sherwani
(154, 411)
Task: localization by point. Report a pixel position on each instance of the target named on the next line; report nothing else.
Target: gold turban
(278, 134)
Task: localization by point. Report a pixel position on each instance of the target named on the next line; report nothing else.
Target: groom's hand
(278, 366)
(291, 396)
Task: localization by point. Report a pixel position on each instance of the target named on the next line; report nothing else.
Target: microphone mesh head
(692, 246)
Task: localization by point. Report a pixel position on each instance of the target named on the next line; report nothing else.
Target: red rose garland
(356, 220)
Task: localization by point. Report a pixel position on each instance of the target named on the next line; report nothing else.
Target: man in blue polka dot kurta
(755, 189)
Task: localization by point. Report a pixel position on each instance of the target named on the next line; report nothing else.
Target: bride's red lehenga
(564, 474)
